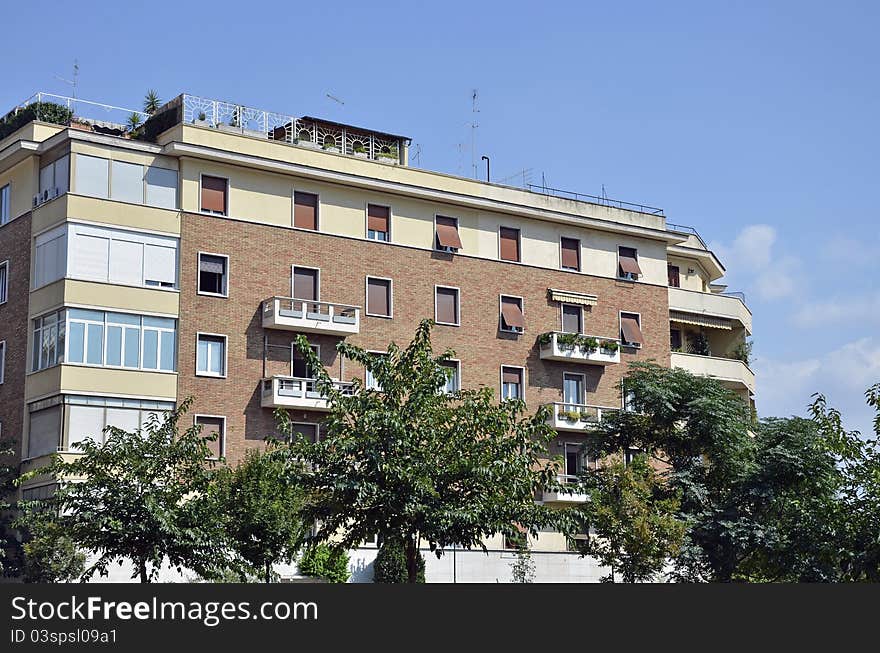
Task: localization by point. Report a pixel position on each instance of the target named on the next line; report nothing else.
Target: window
(370, 381)
(306, 284)
(39, 493)
(574, 459)
(631, 454)
(215, 195)
(572, 318)
(213, 273)
(161, 187)
(453, 379)
(44, 429)
(446, 305)
(571, 254)
(210, 355)
(509, 244)
(299, 366)
(446, 236)
(628, 263)
(2, 361)
(92, 176)
(5, 207)
(512, 383)
(54, 179)
(306, 430)
(50, 256)
(88, 416)
(378, 221)
(674, 276)
(305, 210)
(630, 329)
(675, 342)
(4, 281)
(127, 182)
(48, 341)
(379, 298)
(121, 340)
(213, 425)
(573, 388)
(512, 319)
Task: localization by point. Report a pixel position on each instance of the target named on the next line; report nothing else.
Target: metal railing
(587, 413)
(737, 294)
(311, 310)
(688, 230)
(553, 340)
(295, 386)
(101, 114)
(595, 199)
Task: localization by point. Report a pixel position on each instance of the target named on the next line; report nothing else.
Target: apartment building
(135, 272)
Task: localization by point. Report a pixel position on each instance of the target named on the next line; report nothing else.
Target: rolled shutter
(209, 426)
(571, 319)
(377, 218)
(447, 310)
(305, 211)
(511, 375)
(571, 255)
(509, 244)
(214, 194)
(305, 284)
(377, 297)
(212, 264)
(447, 232)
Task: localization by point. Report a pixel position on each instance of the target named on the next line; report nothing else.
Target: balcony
(563, 497)
(730, 372)
(296, 392)
(576, 348)
(712, 305)
(575, 417)
(311, 317)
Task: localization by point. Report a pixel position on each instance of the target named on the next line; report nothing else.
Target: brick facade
(260, 259)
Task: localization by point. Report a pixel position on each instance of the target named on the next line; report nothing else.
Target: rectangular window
(675, 339)
(379, 298)
(92, 176)
(511, 383)
(573, 388)
(2, 361)
(215, 195)
(213, 273)
(453, 379)
(305, 210)
(299, 366)
(44, 431)
(378, 222)
(161, 188)
(50, 256)
(512, 319)
(509, 244)
(571, 254)
(121, 340)
(87, 417)
(674, 276)
(306, 284)
(48, 340)
(370, 381)
(127, 182)
(216, 426)
(5, 205)
(211, 355)
(308, 431)
(446, 307)
(446, 234)
(574, 459)
(628, 263)
(572, 318)
(630, 329)
(4, 282)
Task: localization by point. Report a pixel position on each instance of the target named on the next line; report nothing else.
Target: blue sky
(755, 122)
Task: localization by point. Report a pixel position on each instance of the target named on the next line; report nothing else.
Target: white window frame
(4, 291)
(5, 219)
(36, 341)
(2, 362)
(620, 329)
(390, 297)
(317, 426)
(519, 248)
(522, 308)
(562, 306)
(367, 206)
(367, 374)
(305, 267)
(317, 228)
(580, 254)
(457, 305)
(627, 276)
(211, 375)
(199, 291)
(225, 214)
(583, 397)
(222, 435)
(457, 363)
(448, 250)
(522, 380)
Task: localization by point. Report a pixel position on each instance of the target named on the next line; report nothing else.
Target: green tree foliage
(51, 556)
(152, 103)
(522, 570)
(391, 566)
(139, 496)
(411, 463)
(634, 517)
(325, 561)
(10, 547)
(259, 505)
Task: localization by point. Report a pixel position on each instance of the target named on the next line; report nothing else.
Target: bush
(325, 561)
(390, 565)
(43, 111)
(52, 557)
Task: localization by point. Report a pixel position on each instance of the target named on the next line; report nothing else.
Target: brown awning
(378, 302)
(628, 260)
(447, 232)
(305, 210)
(632, 333)
(509, 249)
(377, 217)
(511, 375)
(571, 253)
(214, 194)
(305, 284)
(512, 314)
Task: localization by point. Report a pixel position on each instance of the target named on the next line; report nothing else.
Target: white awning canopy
(570, 297)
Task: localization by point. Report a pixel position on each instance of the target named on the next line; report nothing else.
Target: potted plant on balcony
(201, 120)
(387, 154)
(545, 339)
(329, 145)
(588, 417)
(569, 415)
(610, 346)
(304, 139)
(567, 341)
(359, 150)
(588, 344)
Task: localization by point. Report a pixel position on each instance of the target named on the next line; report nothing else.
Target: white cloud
(752, 256)
(858, 309)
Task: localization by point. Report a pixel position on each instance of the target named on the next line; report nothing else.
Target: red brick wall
(260, 260)
(15, 247)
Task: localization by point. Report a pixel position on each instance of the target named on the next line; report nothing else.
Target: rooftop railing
(595, 199)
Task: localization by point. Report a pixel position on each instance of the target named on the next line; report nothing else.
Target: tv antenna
(525, 175)
(73, 81)
(474, 125)
(417, 154)
(334, 98)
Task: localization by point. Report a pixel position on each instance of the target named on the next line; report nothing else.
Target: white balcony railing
(576, 417)
(297, 392)
(310, 317)
(577, 348)
(731, 372)
(563, 496)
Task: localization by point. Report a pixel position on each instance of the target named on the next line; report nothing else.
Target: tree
(139, 496)
(634, 517)
(134, 121)
(522, 570)
(152, 103)
(259, 505)
(51, 556)
(391, 566)
(411, 462)
(10, 547)
(325, 561)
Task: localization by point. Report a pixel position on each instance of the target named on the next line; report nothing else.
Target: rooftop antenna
(474, 125)
(73, 81)
(525, 175)
(334, 98)
(417, 154)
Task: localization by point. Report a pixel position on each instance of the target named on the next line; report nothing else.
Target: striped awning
(570, 297)
(700, 320)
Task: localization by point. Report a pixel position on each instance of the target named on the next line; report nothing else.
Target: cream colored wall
(78, 379)
(70, 292)
(696, 281)
(22, 179)
(120, 154)
(111, 212)
(33, 131)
